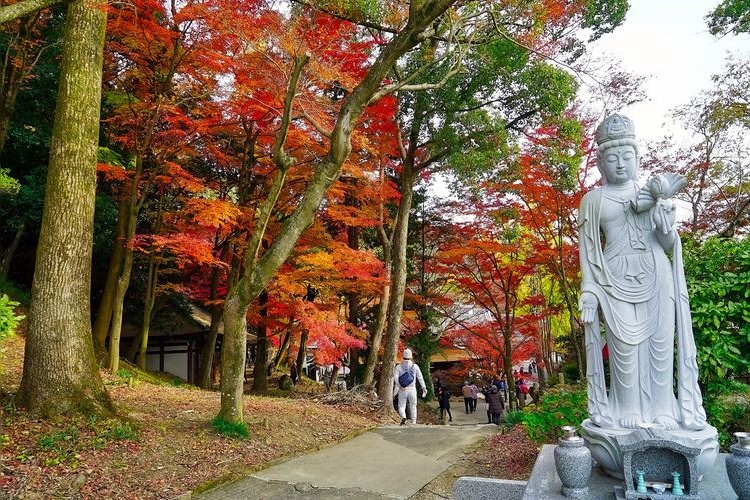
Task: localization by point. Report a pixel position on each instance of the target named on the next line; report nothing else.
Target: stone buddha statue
(640, 296)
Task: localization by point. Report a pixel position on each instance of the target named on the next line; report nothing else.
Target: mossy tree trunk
(60, 374)
(398, 283)
(376, 334)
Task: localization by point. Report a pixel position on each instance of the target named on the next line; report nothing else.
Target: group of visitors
(494, 394)
(407, 375)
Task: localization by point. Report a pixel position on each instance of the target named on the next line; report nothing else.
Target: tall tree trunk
(354, 315)
(278, 360)
(331, 382)
(209, 347)
(209, 350)
(123, 281)
(104, 313)
(60, 374)
(260, 375)
(113, 360)
(508, 366)
(7, 255)
(148, 309)
(233, 358)
(376, 334)
(396, 303)
(152, 283)
(302, 351)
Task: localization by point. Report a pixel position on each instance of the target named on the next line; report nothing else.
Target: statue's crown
(615, 127)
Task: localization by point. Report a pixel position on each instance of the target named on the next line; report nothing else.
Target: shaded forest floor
(164, 445)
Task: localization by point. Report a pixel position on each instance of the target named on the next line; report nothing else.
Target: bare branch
(404, 85)
(315, 124)
(282, 160)
(359, 22)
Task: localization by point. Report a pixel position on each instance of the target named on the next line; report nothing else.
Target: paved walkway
(388, 462)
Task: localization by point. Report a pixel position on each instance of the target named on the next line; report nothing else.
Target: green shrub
(14, 292)
(718, 278)
(8, 319)
(727, 406)
(563, 405)
(513, 417)
(229, 429)
(570, 370)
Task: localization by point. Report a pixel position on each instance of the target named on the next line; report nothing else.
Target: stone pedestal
(545, 484)
(659, 457)
(606, 450)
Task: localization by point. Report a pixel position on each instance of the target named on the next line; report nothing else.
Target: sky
(668, 42)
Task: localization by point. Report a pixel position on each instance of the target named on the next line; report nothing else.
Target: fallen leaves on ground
(510, 455)
(164, 446)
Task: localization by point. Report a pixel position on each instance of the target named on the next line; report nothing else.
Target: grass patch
(110, 429)
(124, 431)
(59, 447)
(132, 375)
(231, 430)
(52, 440)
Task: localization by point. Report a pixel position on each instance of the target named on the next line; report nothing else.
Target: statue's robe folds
(643, 298)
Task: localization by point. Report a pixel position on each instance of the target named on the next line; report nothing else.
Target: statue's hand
(664, 215)
(588, 305)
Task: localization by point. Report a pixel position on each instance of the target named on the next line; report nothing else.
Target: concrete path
(387, 462)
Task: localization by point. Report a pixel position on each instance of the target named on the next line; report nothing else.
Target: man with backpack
(405, 378)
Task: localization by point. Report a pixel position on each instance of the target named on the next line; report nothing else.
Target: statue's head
(617, 149)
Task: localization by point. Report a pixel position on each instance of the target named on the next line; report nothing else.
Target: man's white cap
(407, 354)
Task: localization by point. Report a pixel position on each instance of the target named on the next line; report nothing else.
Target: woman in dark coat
(444, 398)
(495, 401)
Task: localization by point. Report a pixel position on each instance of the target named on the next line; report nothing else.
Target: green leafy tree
(469, 125)
(730, 16)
